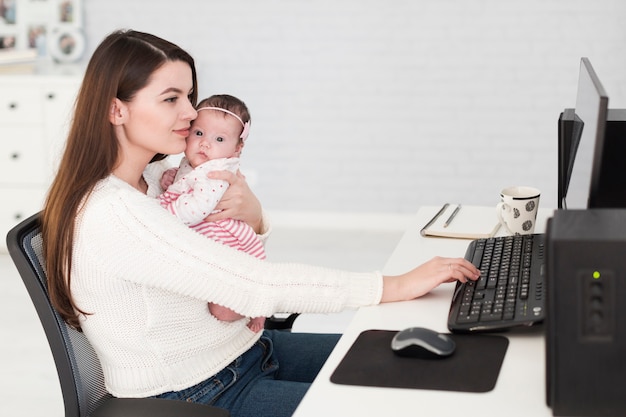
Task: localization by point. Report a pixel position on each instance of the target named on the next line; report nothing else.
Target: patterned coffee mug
(517, 210)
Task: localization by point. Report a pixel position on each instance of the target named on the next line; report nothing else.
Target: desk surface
(519, 391)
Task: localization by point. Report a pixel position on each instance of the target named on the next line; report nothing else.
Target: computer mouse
(419, 342)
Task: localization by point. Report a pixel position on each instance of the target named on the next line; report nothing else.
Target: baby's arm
(193, 197)
(197, 200)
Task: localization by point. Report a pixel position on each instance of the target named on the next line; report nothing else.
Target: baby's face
(214, 134)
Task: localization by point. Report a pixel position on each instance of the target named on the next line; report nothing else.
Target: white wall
(383, 106)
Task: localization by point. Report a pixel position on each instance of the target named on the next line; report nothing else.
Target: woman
(137, 281)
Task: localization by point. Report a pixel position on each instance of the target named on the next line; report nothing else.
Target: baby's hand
(167, 178)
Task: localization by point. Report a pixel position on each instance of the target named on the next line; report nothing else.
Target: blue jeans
(270, 379)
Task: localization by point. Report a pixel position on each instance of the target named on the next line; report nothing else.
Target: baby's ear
(238, 149)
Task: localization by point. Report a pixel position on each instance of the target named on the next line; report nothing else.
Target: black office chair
(281, 321)
(80, 374)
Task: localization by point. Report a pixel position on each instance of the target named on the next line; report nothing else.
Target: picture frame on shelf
(7, 40)
(66, 43)
(41, 30)
(7, 12)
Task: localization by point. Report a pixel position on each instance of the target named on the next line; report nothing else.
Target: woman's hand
(427, 276)
(238, 202)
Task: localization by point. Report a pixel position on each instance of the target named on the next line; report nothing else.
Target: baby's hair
(227, 102)
(229, 105)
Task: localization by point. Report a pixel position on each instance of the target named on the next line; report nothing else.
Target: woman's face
(157, 119)
(214, 134)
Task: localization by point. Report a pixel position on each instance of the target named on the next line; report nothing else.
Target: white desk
(519, 391)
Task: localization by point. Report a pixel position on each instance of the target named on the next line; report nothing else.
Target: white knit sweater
(145, 279)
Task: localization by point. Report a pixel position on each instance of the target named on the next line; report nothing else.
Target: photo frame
(66, 43)
(41, 29)
(8, 40)
(8, 10)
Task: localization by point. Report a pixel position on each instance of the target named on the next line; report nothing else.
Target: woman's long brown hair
(120, 66)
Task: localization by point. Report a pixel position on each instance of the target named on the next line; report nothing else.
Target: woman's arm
(426, 277)
(139, 242)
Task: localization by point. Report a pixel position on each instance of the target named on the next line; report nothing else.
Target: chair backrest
(80, 373)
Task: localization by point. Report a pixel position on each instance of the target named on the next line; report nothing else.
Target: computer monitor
(592, 145)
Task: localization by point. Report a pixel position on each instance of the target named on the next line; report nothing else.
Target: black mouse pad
(474, 366)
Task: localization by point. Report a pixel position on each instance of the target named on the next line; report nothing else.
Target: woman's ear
(117, 112)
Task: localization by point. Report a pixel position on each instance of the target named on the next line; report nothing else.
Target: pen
(454, 213)
(439, 213)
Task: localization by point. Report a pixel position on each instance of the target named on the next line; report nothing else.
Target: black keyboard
(510, 291)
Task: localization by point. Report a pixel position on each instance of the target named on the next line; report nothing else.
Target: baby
(216, 139)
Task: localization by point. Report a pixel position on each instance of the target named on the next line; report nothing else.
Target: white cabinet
(35, 111)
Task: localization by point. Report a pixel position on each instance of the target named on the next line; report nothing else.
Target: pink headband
(246, 125)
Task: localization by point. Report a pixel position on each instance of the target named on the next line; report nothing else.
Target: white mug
(517, 210)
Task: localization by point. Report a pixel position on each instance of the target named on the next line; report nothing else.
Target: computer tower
(586, 312)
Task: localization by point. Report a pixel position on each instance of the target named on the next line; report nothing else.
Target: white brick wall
(383, 106)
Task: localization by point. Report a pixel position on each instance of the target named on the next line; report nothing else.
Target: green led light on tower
(596, 274)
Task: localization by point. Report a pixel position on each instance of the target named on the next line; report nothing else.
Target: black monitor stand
(570, 128)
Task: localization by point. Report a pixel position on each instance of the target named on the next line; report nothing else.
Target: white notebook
(470, 222)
